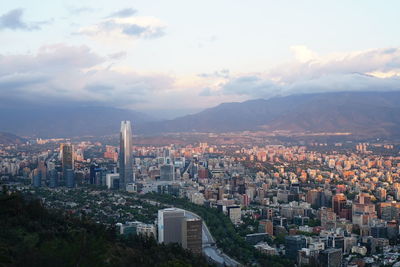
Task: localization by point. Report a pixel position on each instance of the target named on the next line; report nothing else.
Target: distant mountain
(8, 139)
(66, 121)
(361, 113)
(369, 114)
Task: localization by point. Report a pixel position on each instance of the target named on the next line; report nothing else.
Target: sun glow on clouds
(388, 74)
(303, 53)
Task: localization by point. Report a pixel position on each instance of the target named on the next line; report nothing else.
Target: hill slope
(361, 113)
(369, 114)
(8, 138)
(32, 236)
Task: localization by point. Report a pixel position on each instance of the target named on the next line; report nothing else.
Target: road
(209, 247)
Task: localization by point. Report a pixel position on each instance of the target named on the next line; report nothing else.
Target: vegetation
(33, 236)
(224, 232)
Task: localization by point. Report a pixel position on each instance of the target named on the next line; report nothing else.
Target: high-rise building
(125, 155)
(234, 213)
(331, 257)
(37, 178)
(167, 172)
(53, 178)
(70, 178)
(192, 235)
(293, 244)
(67, 159)
(112, 180)
(338, 203)
(170, 225)
(42, 169)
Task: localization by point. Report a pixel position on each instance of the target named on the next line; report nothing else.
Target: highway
(209, 247)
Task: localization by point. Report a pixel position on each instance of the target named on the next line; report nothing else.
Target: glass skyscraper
(67, 160)
(125, 155)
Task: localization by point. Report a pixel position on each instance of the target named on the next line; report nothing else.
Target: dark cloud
(224, 73)
(128, 29)
(142, 31)
(13, 20)
(73, 74)
(252, 86)
(123, 13)
(134, 29)
(256, 87)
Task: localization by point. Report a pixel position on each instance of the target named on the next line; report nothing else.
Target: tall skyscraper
(67, 159)
(125, 155)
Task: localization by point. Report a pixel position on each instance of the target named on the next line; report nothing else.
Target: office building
(125, 155)
(192, 235)
(70, 178)
(293, 244)
(234, 213)
(338, 203)
(331, 257)
(67, 159)
(170, 225)
(112, 180)
(37, 178)
(167, 172)
(53, 178)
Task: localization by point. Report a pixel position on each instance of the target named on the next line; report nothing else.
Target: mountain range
(369, 114)
(8, 139)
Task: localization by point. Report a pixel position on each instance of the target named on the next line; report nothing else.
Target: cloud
(370, 70)
(251, 85)
(118, 55)
(123, 13)
(60, 74)
(122, 25)
(79, 10)
(224, 73)
(205, 92)
(303, 53)
(13, 20)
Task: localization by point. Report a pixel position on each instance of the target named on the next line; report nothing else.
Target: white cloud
(370, 70)
(303, 53)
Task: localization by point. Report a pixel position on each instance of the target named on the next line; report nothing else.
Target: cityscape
(307, 204)
(200, 133)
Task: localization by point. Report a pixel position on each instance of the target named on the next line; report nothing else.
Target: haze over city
(200, 133)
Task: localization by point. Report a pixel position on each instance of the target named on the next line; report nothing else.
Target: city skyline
(200, 133)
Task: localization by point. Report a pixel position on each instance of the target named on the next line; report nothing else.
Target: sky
(170, 58)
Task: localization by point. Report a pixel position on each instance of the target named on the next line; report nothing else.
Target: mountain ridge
(369, 114)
